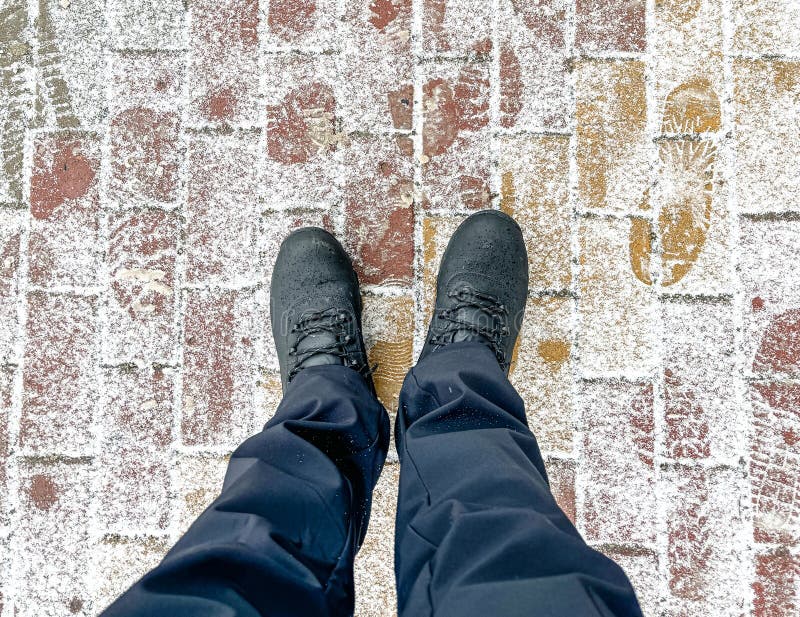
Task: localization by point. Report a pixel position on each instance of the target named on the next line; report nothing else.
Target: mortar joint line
(743, 423)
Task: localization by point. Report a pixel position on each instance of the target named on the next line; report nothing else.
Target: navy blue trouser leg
(478, 532)
(280, 539)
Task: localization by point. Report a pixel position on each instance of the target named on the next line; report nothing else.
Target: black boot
(482, 286)
(315, 306)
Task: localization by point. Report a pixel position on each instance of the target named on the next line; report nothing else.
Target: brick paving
(154, 154)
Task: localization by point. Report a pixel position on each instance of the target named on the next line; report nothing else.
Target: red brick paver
(154, 154)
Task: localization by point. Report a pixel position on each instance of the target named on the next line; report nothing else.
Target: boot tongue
(315, 341)
(475, 316)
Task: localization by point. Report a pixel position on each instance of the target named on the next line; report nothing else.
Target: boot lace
(491, 333)
(334, 322)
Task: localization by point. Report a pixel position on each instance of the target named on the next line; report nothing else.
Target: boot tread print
(687, 152)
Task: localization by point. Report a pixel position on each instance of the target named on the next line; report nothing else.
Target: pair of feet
(315, 302)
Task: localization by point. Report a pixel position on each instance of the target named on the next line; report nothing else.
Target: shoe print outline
(688, 156)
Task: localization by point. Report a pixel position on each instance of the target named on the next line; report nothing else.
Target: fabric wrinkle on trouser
(478, 532)
(281, 538)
